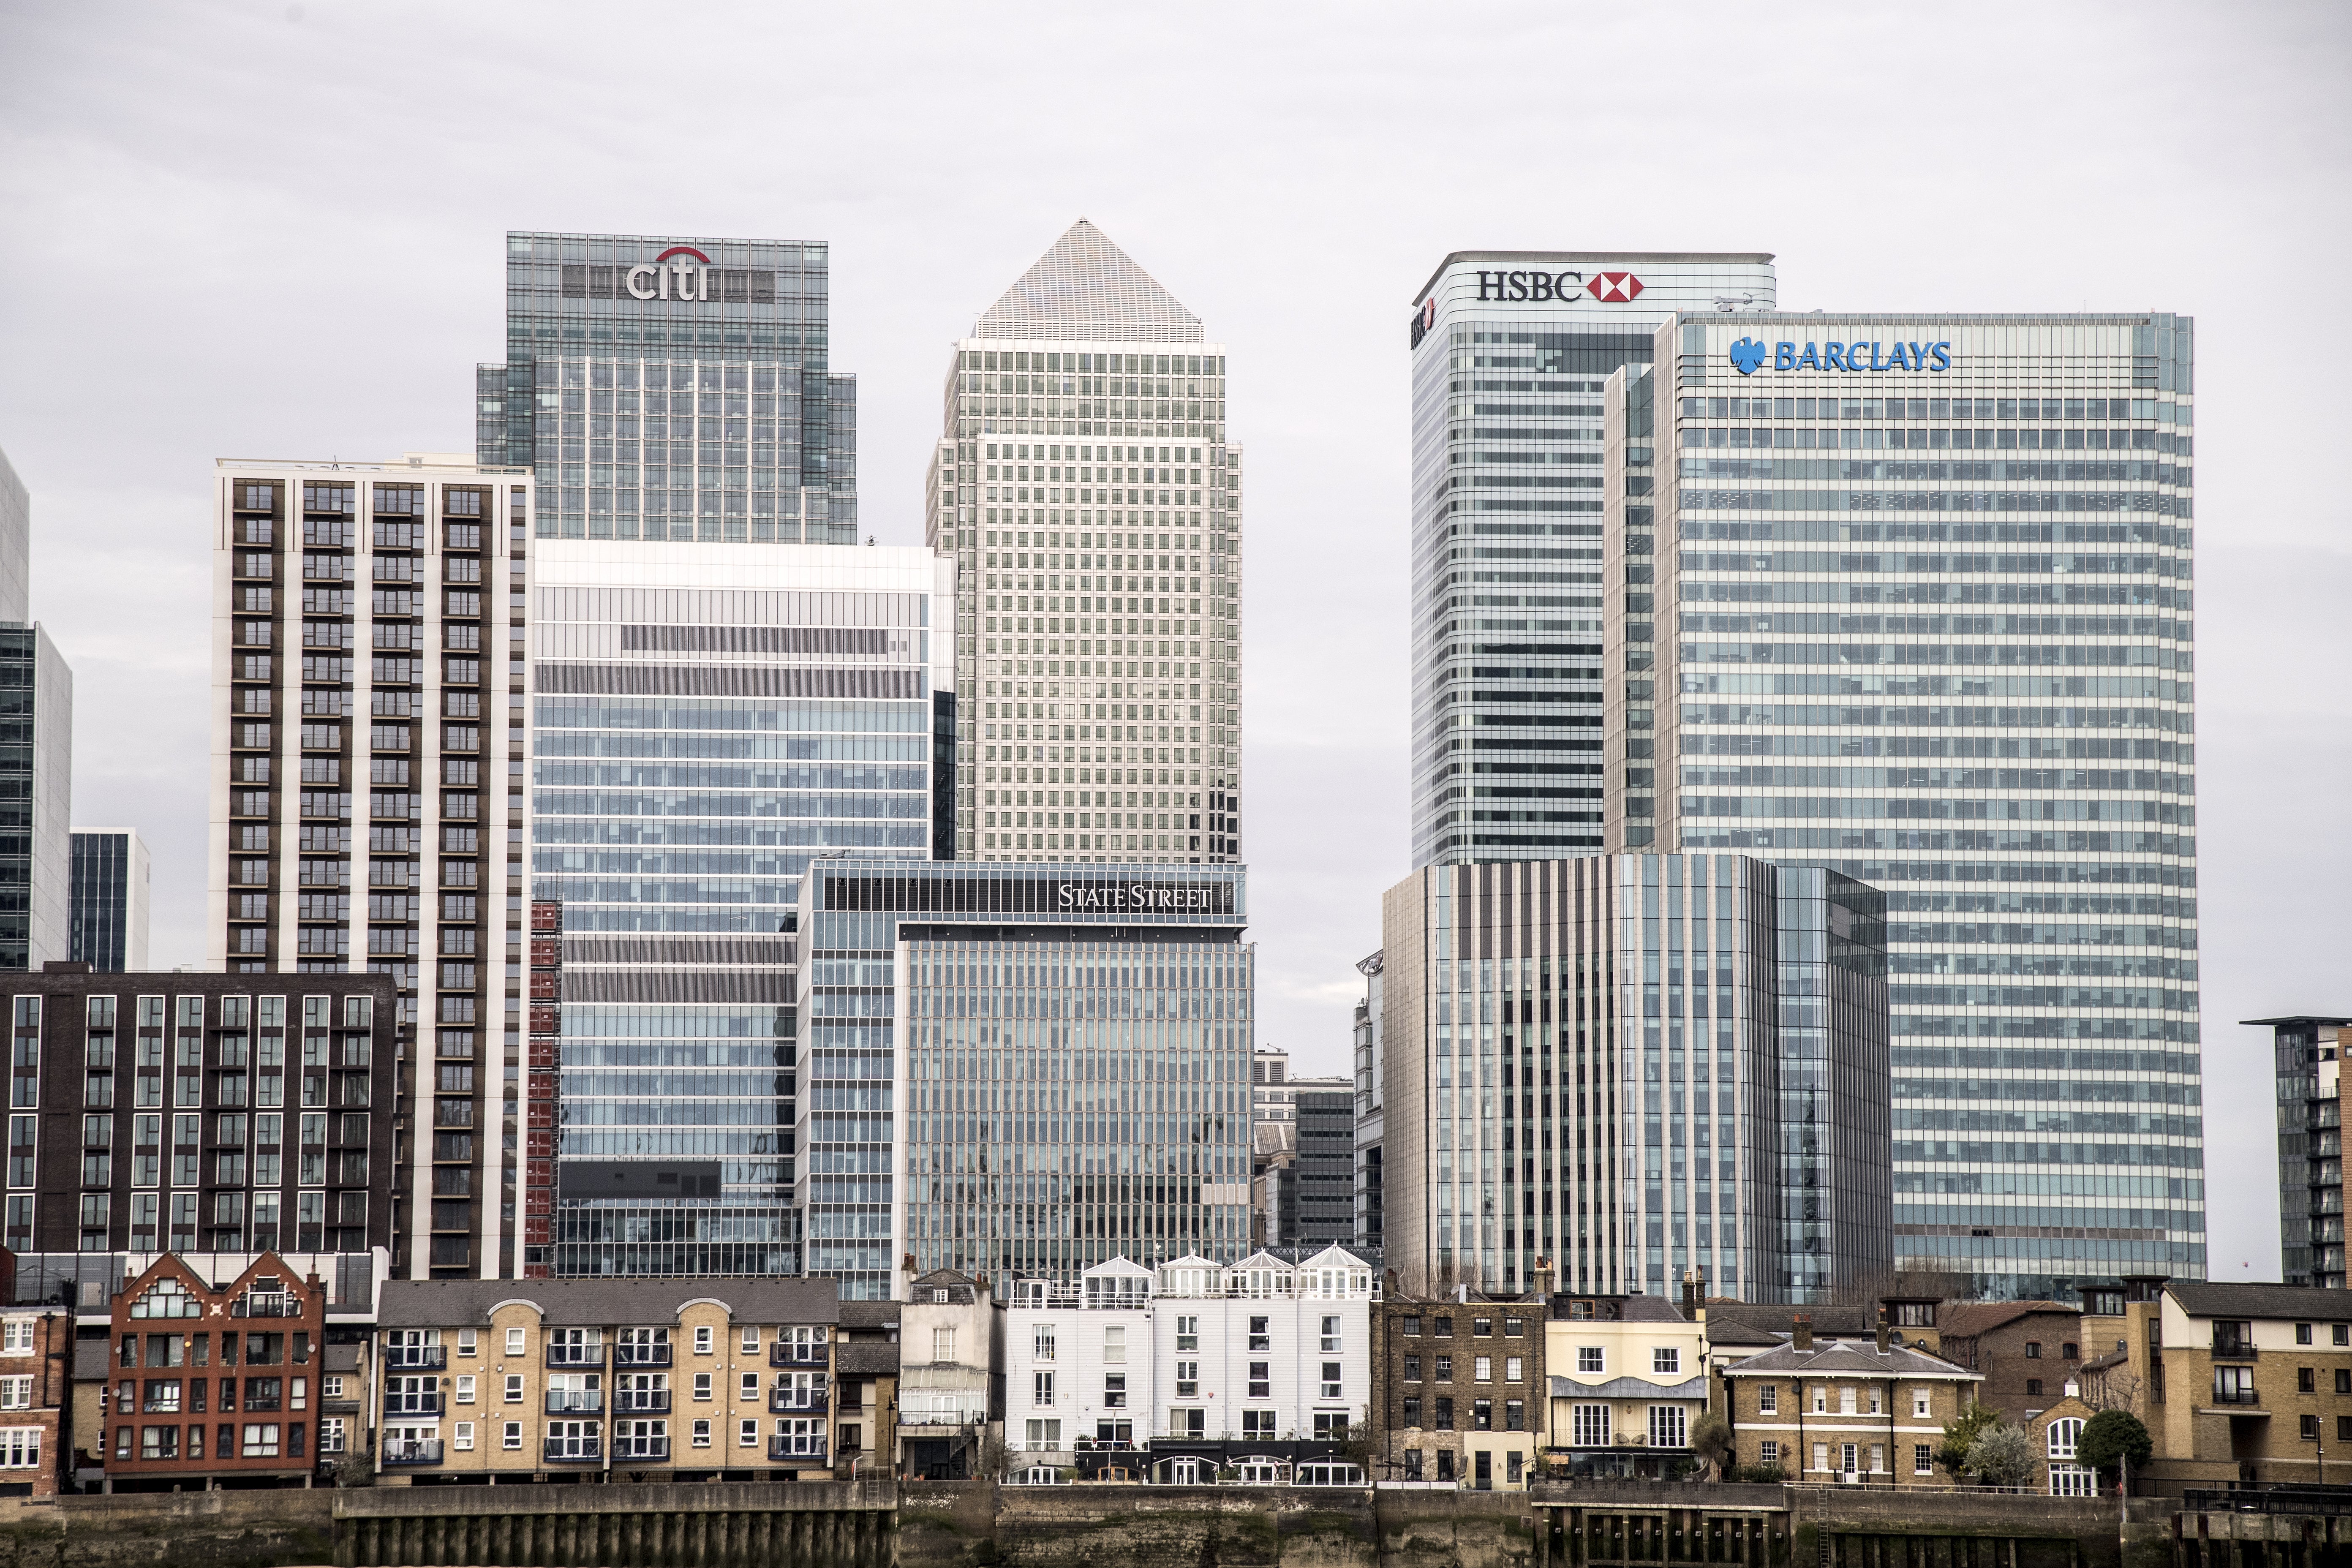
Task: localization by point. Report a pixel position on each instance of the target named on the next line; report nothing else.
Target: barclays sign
(1747, 356)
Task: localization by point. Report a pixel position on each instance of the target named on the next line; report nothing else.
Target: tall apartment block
(1085, 490)
(367, 786)
(1371, 1104)
(1069, 1052)
(2307, 1054)
(110, 899)
(673, 389)
(1908, 597)
(709, 719)
(1636, 1066)
(36, 763)
(1509, 353)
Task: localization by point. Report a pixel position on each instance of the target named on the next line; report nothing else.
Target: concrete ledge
(618, 1497)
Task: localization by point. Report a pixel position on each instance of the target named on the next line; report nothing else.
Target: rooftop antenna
(1727, 303)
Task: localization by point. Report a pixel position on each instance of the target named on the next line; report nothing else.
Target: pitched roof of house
(2236, 1301)
(1085, 281)
(1650, 1309)
(870, 1317)
(435, 1304)
(1863, 1359)
(1964, 1320)
(865, 1358)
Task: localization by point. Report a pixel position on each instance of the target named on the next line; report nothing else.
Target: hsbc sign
(1611, 288)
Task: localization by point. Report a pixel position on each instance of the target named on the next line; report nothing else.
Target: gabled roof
(1262, 1259)
(2236, 1301)
(1337, 1253)
(1191, 1261)
(1650, 1309)
(942, 1277)
(1086, 287)
(1863, 1360)
(1962, 1320)
(870, 1317)
(651, 1303)
(1120, 1266)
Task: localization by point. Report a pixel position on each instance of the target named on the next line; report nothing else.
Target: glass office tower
(1917, 590)
(673, 389)
(1085, 490)
(110, 899)
(2307, 1056)
(1509, 352)
(37, 765)
(706, 720)
(1054, 1060)
(1635, 1065)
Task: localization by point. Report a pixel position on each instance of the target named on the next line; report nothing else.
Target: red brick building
(215, 1383)
(36, 1347)
(2026, 1349)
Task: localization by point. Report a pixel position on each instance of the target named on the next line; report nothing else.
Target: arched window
(2063, 1435)
(166, 1298)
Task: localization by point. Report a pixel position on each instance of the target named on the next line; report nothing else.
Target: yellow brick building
(656, 1379)
(1827, 1410)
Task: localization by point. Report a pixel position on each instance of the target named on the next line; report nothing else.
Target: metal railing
(575, 1401)
(641, 1402)
(397, 1403)
(800, 1401)
(2233, 1349)
(628, 1355)
(782, 1451)
(406, 1452)
(415, 1358)
(656, 1448)
(574, 1451)
(2307, 1500)
(797, 1355)
(576, 1355)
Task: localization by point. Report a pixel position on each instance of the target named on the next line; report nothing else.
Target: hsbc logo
(1423, 320)
(1607, 287)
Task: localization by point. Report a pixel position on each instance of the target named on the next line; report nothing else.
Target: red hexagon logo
(1614, 288)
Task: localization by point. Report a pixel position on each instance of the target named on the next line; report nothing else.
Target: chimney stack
(1542, 1279)
(1882, 1330)
(1690, 1295)
(1801, 1331)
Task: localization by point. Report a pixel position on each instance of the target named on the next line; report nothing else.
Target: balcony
(2232, 1349)
(396, 1405)
(573, 1451)
(576, 1355)
(643, 1451)
(640, 1355)
(415, 1358)
(798, 1401)
(806, 1452)
(575, 1402)
(797, 1355)
(2248, 1395)
(641, 1402)
(397, 1451)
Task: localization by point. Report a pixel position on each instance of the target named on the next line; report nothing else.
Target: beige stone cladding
(656, 1379)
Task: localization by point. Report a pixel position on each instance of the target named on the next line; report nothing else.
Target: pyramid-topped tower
(1085, 490)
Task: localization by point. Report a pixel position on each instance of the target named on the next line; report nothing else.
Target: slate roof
(342, 1357)
(1085, 280)
(865, 1358)
(90, 1360)
(1861, 1360)
(438, 1303)
(1828, 1318)
(870, 1317)
(1628, 1388)
(1650, 1309)
(2234, 1301)
(1965, 1319)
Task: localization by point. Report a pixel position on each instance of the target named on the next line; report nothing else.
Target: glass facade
(1054, 1061)
(1510, 350)
(1087, 492)
(706, 720)
(673, 390)
(1636, 1065)
(2307, 1055)
(1917, 595)
(110, 899)
(368, 791)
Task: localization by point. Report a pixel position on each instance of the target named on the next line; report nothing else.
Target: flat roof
(1639, 258)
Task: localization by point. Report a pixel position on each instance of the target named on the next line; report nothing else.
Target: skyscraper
(1636, 1066)
(673, 389)
(367, 658)
(2307, 1058)
(37, 769)
(1085, 490)
(1509, 352)
(110, 899)
(706, 720)
(1911, 601)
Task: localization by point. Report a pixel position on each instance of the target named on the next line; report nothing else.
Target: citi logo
(653, 280)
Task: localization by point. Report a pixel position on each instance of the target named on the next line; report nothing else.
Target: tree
(1961, 1431)
(2111, 1437)
(2001, 1456)
(1710, 1439)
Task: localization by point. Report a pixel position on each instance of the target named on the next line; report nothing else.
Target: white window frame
(511, 1438)
(465, 1388)
(1590, 1425)
(463, 1441)
(1041, 1393)
(515, 1341)
(1669, 1426)
(701, 1436)
(702, 1338)
(1591, 1358)
(1768, 1399)
(1666, 1358)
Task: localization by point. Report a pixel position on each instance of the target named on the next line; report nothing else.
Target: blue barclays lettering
(1747, 356)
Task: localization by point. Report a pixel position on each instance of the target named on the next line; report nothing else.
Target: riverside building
(1509, 353)
(367, 786)
(1085, 488)
(1912, 602)
(1636, 1066)
(1022, 1069)
(708, 718)
(673, 389)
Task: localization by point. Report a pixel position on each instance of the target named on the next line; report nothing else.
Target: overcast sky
(274, 229)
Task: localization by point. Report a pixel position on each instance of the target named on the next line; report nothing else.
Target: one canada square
(1085, 488)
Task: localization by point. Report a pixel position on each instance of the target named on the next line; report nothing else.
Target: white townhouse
(1195, 1367)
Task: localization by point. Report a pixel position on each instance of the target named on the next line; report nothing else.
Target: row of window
(1482, 1414)
(1443, 1326)
(261, 1441)
(1259, 1383)
(1483, 1368)
(1850, 1401)
(2095, 439)
(2042, 408)
(1044, 1342)
(1849, 1457)
(803, 1340)
(793, 1437)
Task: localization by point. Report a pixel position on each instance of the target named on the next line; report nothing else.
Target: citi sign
(671, 276)
(1746, 356)
(1611, 288)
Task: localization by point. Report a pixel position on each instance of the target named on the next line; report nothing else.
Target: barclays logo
(1747, 356)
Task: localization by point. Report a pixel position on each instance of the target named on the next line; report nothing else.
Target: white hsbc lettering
(680, 279)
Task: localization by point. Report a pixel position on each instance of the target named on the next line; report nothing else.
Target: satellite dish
(1895, 1340)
